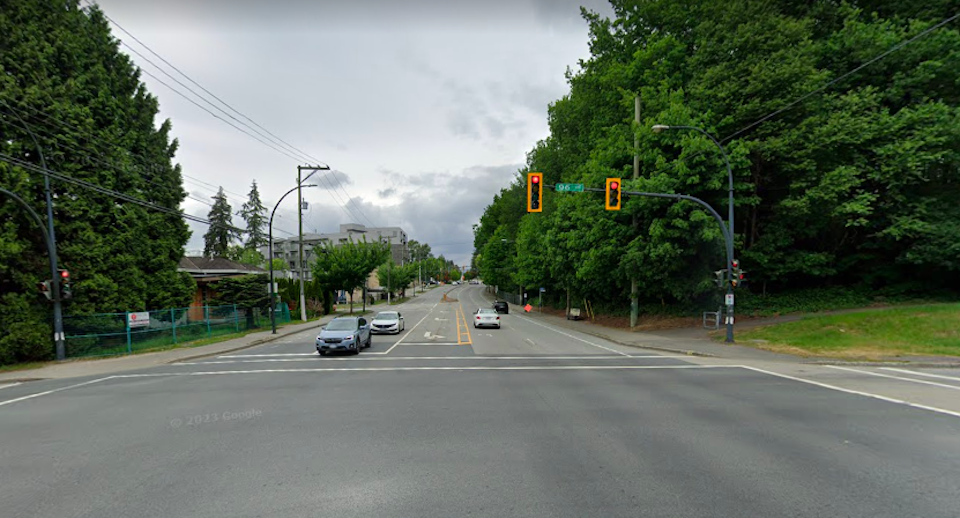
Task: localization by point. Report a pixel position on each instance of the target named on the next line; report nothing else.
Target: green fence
(109, 334)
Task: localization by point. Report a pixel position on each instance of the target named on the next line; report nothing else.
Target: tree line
(841, 179)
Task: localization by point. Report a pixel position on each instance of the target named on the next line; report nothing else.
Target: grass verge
(928, 330)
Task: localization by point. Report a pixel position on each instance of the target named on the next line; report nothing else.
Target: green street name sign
(569, 187)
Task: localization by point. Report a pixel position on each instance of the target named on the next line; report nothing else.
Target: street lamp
(273, 303)
(314, 169)
(657, 128)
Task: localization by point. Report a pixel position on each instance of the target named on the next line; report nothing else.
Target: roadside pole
(634, 301)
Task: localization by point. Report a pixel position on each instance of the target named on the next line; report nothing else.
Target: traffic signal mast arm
(727, 238)
(716, 216)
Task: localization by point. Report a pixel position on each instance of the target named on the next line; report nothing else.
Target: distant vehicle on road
(486, 317)
(387, 322)
(344, 334)
(474, 281)
(501, 307)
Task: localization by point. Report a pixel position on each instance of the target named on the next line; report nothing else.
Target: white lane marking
(529, 340)
(410, 331)
(923, 382)
(465, 368)
(38, 394)
(265, 355)
(905, 371)
(443, 358)
(8, 385)
(571, 336)
(851, 391)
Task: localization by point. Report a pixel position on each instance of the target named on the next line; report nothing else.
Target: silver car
(344, 334)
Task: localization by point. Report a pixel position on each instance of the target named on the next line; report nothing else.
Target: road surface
(447, 420)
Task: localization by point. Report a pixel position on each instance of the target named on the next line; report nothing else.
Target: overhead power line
(109, 192)
(825, 86)
(285, 147)
(46, 127)
(841, 77)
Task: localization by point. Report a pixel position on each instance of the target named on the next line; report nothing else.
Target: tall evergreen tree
(216, 242)
(62, 75)
(254, 213)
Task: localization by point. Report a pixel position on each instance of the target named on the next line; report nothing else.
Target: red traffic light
(614, 185)
(535, 179)
(65, 274)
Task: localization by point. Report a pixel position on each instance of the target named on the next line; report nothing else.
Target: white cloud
(381, 91)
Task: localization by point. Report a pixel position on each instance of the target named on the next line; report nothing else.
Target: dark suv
(501, 307)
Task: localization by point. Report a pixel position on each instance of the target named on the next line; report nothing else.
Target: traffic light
(66, 291)
(44, 288)
(719, 278)
(613, 194)
(739, 276)
(534, 192)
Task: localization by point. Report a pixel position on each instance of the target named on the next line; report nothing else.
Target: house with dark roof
(208, 270)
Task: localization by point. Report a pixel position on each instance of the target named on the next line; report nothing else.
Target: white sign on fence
(140, 319)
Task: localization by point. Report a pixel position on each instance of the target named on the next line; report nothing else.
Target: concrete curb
(892, 363)
(259, 341)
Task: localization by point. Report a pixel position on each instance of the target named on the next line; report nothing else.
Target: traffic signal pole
(727, 237)
(55, 282)
(51, 238)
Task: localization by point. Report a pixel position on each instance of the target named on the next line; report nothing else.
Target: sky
(423, 110)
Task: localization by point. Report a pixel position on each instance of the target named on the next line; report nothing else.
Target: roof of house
(207, 266)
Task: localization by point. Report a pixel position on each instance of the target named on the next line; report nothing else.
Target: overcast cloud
(423, 110)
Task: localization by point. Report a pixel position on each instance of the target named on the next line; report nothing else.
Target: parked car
(387, 322)
(486, 317)
(344, 334)
(501, 306)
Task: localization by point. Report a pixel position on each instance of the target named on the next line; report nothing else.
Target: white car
(387, 322)
(486, 317)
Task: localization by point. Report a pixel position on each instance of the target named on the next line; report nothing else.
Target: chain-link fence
(108, 334)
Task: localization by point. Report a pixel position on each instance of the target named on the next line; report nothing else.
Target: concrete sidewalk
(94, 367)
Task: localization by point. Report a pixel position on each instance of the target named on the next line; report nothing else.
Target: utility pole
(634, 303)
(303, 296)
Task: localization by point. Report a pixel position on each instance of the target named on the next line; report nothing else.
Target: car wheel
(369, 341)
(322, 353)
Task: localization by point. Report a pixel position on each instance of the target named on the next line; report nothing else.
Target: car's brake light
(478, 317)
(498, 318)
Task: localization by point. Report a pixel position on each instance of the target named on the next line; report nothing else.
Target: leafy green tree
(216, 241)
(418, 251)
(246, 255)
(254, 213)
(63, 77)
(348, 265)
(852, 186)
(280, 265)
(395, 278)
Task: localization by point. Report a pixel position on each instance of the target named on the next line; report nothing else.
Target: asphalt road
(447, 420)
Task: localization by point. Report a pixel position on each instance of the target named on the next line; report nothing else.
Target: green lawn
(929, 330)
